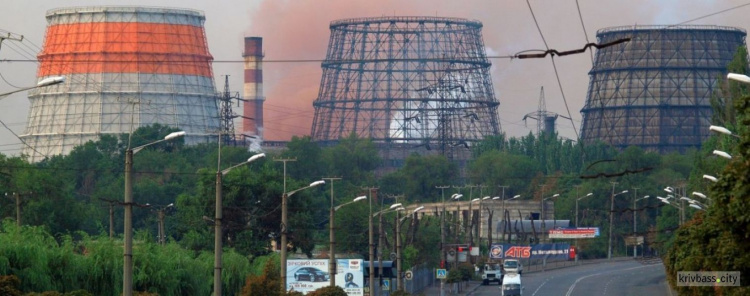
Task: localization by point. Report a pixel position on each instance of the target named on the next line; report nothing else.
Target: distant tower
(410, 84)
(227, 114)
(545, 120)
(654, 91)
(126, 67)
(252, 121)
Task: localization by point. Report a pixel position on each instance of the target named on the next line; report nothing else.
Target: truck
(492, 272)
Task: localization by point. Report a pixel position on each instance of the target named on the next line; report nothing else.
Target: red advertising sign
(588, 232)
(518, 252)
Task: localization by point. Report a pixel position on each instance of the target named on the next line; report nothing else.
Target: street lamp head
(486, 197)
(695, 206)
(516, 196)
(174, 135)
(255, 157)
(393, 206)
(623, 192)
(359, 198)
(720, 129)
(418, 209)
(698, 194)
(556, 195)
(456, 196)
(496, 198)
(590, 194)
(51, 81)
(712, 178)
(475, 200)
(685, 198)
(316, 183)
(647, 196)
(738, 77)
(170, 205)
(668, 189)
(722, 154)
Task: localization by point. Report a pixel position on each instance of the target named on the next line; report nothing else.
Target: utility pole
(19, 204)
(611, 216)
(283, 226)
(332, 240)
(444, 256)
(371, 272)
(112, 203)
(635, 241)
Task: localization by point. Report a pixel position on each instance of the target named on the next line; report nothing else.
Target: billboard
(305, 276)
(549, 251)
(580, 232)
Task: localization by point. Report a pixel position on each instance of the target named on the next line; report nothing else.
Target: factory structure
(411, 84)
(125, 67)
(654, 91)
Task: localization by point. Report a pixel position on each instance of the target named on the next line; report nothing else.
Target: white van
(512, 266)
(511, 285)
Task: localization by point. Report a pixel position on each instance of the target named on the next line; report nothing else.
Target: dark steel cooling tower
(126, 67)
(654, 91)
(408, 83)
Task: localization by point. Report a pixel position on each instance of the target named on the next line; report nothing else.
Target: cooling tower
(654, 91)
(408, 83)
(252, 123)
(126, 67)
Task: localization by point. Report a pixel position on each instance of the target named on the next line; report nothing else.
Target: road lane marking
(573, 286)
(540, 286)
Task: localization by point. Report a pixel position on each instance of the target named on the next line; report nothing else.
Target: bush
(9, 285)
(328, 291)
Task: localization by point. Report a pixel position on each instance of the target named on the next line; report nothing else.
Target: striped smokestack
(253, 92)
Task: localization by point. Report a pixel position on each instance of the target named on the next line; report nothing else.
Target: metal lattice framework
(406, 81)
(126, 67)
(654, 91)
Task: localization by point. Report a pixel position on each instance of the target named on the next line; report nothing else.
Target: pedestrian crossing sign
(442, 273)
(386, 285)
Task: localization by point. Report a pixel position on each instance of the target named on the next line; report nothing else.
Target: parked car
(492, 272)
(310, 274)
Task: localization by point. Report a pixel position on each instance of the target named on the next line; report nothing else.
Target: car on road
(310, 274)
(511, 285)
(512, 266)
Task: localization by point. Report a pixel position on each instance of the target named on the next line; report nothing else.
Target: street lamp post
(392, 208)
(44, 82)
(127, 273)
(399, 280)
(218, 246)
(635, 224)
(577, 199)
(678, 207)
(611, 218)
(160, 214)
(332, 240)
(544, 210)
(284, 227)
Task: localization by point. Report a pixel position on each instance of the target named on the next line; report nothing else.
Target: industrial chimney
(252, 123)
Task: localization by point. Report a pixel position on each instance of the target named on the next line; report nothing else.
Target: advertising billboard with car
(309, 275)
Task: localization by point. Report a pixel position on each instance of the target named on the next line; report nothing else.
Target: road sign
(442, 273)
(386, 285)
(393, 256)
(408, 275)
(451, 252)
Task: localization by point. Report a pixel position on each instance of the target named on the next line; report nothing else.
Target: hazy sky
(298, 29)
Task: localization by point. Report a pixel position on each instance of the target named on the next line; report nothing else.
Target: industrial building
(126, 67)
(411, 84)
(654, 91)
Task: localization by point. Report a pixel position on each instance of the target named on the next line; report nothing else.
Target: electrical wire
(585, 34)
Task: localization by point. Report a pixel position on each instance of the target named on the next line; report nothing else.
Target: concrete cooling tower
(654, 91)
(408, 83)
(126, 67)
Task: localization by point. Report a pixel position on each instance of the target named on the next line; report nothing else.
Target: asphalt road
(606, 278)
